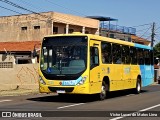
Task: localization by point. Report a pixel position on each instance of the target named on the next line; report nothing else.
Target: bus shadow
(81, 98)
(122, 93)
(65, 98)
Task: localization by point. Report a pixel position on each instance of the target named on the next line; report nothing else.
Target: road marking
(70, 105)
(5, 100)
(117, 118)
(150, 108)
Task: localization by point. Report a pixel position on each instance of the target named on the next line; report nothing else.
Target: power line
(141, 30)
(148, 37)
(31, 5)
(65, 7)
(15, 5)
(20, 7)
(144, 33)
(68, 9)
(142, 25)
(10, 10)
(156, 37)
(61, 7)
(25, 9)
(21, 13)
(156, 41)
(157, 28)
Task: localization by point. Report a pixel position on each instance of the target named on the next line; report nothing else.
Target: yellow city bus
(90, 64)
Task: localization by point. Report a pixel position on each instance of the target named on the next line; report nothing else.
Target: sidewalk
(18, 92)
(155, 83)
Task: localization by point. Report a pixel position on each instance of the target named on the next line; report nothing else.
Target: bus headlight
(82, 80)
(41, 80)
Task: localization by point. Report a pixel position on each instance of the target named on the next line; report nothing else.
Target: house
(18, 53)
(108, 29)
(140, 40)
(32, 27)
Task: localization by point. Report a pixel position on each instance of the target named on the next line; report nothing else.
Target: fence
(122, 29)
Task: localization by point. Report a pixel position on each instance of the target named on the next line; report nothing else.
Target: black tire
(138, 88)
(104, 91)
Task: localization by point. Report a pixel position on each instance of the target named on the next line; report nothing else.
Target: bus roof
(102, 38)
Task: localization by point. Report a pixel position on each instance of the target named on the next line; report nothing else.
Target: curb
(18, 92)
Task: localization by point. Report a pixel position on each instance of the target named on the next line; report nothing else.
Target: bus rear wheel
(138, 86)
(104, 90)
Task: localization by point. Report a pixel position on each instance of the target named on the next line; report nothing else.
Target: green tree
(156, 49)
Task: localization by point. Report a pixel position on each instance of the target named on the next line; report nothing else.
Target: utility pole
(153, 34)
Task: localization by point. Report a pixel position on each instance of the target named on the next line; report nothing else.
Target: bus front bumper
(81, 89)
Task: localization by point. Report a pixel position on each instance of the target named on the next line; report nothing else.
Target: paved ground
(50, 104)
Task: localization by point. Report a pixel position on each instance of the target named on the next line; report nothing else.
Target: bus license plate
(61, 91)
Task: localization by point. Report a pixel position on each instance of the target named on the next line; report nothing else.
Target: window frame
(116, 53)
(106, 58)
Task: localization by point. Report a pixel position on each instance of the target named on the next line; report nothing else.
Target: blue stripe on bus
(147, 74)
(142, 46)
(71, 82)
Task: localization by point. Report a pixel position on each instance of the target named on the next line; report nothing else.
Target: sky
(130, 13)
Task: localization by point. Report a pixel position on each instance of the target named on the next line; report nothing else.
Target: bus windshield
(63, 56)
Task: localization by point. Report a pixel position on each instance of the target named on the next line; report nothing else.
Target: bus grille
(67, 89)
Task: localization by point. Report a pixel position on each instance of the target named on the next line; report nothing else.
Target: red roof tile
(140, 40)
(19, 46)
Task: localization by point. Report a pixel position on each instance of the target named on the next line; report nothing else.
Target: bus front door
(95, 75)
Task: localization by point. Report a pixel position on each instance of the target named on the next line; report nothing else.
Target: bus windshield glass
(63, 56)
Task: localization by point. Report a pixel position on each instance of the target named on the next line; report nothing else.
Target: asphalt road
(76, 107)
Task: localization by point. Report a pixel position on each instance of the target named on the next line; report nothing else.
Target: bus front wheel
(104, 90)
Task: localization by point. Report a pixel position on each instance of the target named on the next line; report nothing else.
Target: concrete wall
(11, 28)
(20, 76)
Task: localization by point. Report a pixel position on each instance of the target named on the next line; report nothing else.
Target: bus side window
(94, 57)
(147, 56)
(125, 54)
(140, 55)
(106, 52)
(133, 55)
(116, 52)
(152, 59)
